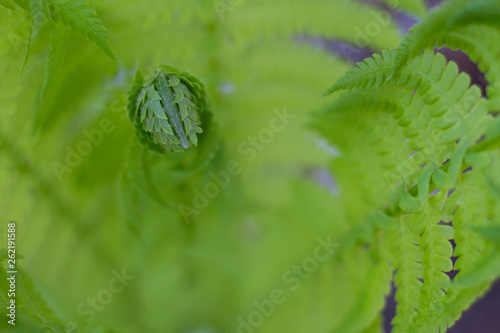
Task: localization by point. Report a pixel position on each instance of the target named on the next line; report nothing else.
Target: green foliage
(79, 16)
(214, 208)
(37, 9)
(460, 24)
(74, 14)
(444, 141)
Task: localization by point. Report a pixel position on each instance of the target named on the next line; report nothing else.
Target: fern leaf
(77, 15)
(371, 72)
(442, 117)
(472, 283)
(450, 310)
(421, 35)
(476, 40)
(410, 113)
(469, 204)
(459, 25)
(37, 13)
(455, 107)
(37, 8)
(436, 260)
(407, 263)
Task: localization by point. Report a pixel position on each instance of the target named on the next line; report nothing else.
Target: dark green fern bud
(166, 109)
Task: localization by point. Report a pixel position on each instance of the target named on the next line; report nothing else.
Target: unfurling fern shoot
(166, 109)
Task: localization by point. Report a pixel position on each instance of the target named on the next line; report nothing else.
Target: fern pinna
(436, 141)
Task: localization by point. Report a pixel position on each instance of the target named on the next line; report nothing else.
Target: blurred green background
(114, 208)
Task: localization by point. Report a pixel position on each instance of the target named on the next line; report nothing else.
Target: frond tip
(166, 109)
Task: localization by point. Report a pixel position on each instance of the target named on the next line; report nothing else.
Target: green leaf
(179, 95)
(173, 80)
(409, 203)
(153, 94)
(166, 127)
(423, 182)
(144, 111)
(158, 110)
(183, 110)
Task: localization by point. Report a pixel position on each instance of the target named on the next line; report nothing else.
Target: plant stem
(170, 108)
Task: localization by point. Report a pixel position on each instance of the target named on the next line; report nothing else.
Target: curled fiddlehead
(178, 137)
(166, 109)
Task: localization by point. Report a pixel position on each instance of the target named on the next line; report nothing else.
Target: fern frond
(476, 42)
(37, 14)
(79, 16)
(469, 206)
(436, 258)
(455, 107)
(449, 311)
(460, 25)
(421, 35)
(372, 72)
(470, 284)
(433, 107)
(411, 115)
